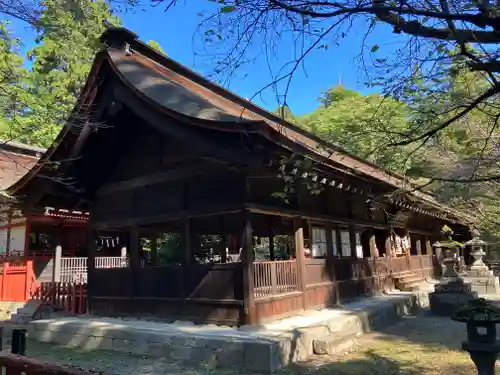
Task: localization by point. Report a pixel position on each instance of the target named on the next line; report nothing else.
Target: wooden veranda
(210, 196)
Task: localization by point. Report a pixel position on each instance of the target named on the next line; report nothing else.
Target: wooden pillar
(59, 234)
(249, 316)
(418, 247)
(187, 256)
(134, 258)
(9, 231)
(56, 270)
(388, 250)
(154, 248)
(272, 256)
(428, 246)
(352, 240)
(27, 236)
(91, 252)
(388, 246)
(329, 241)
(134, 247)
(373, 244)
(298, 227)
(187, 241)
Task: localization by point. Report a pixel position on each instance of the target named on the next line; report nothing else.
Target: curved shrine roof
(16, 160)
(175, 93)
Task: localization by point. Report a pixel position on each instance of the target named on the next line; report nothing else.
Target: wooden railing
(74, 270)
(111, 262)
(68, 297)
(274, 278)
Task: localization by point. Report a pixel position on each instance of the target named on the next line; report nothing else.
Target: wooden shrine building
(229, 214)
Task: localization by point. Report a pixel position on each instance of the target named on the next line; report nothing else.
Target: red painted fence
(68, 297)
(16, 281)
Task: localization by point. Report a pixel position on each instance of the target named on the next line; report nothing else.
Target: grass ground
(421, 345)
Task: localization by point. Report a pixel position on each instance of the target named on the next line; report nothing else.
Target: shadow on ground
(427, 330)
(372, 363)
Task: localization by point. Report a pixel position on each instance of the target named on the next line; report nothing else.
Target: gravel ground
(422, 345)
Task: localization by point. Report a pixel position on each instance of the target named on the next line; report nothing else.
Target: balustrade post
(56, 270)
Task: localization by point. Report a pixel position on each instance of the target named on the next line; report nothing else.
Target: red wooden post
(80, 299)
(30, 279)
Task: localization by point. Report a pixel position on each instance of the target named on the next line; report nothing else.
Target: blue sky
(322, 69)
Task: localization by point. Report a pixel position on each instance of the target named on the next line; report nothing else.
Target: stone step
(20, 319)
(411, 287)
(411, 278)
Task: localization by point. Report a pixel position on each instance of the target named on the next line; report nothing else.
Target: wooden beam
(177, 173)
(172, 216)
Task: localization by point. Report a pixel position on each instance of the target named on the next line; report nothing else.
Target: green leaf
(227, 9)
(374, 48)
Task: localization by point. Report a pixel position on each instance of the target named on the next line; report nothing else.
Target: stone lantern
(483, 347)
(451, 292)
(477, 253)
(449, 251)
(479, 275)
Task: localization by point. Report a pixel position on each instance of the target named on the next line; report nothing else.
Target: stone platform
(265, 348)
(484, 282)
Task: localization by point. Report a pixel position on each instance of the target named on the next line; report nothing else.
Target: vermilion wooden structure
(181, 156)
(16, 281)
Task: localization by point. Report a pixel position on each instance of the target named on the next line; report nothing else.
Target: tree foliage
(360, 124)
(39, 89)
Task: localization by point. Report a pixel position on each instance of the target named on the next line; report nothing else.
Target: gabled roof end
(117, 37)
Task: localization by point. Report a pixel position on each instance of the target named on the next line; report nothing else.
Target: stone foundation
(262, 349)
(483, 281)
